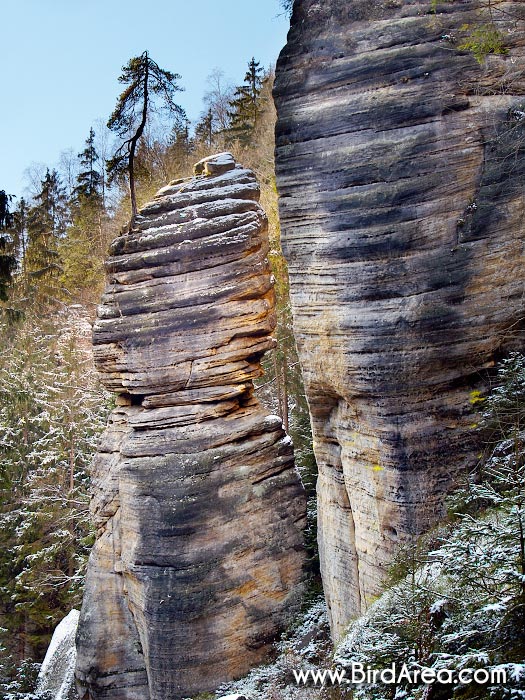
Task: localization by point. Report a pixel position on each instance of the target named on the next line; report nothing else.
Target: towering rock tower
(197, 503)
(400, 169)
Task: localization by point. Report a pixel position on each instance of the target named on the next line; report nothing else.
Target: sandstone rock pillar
(400, 168)
(197, 503)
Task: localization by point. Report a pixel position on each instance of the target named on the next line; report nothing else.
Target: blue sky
(60, 61)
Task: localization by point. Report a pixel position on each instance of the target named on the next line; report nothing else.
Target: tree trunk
(71, 464)
(285, 391)
(132, 183)
(277, 375)
(134, 142)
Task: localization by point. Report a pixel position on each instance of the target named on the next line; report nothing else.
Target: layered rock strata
(400, 165)
(197, 503)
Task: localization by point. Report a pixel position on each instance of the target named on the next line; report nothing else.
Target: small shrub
(482, 41)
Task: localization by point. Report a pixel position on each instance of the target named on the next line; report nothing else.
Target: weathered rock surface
(198, 506)
(400, 167)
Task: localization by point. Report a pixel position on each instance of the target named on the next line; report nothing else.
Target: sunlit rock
(400, 168)
(197, 503)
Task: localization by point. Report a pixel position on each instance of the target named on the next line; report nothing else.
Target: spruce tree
(18, 291)
(89, 179)
(46, 224)
(204, 131)
(18, 231)
(246, 106)
(83, 248)
(146, 83)
(7, 259)
(5, 214)
(180, 151)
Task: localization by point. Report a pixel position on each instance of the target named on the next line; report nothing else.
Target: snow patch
(57, 673)
(438, 606)
(272, 422)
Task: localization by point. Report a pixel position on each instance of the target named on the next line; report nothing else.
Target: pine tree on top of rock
(146, 84)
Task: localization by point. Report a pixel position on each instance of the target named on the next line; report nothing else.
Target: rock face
(400, 165)
(198, 506)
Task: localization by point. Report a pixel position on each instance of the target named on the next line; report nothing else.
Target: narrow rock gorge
(198, 506)
(400, 164)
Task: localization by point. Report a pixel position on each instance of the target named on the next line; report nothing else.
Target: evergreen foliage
(204, 131)
(51, 413)
(482, 41)
(89, 179)
(485, 37)
(245, 107)
(82, 253)
(18, 232)
(177, 157)
(145, 82)
(46, 223)
(7, 259)
(5, 215)
(83, 248)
